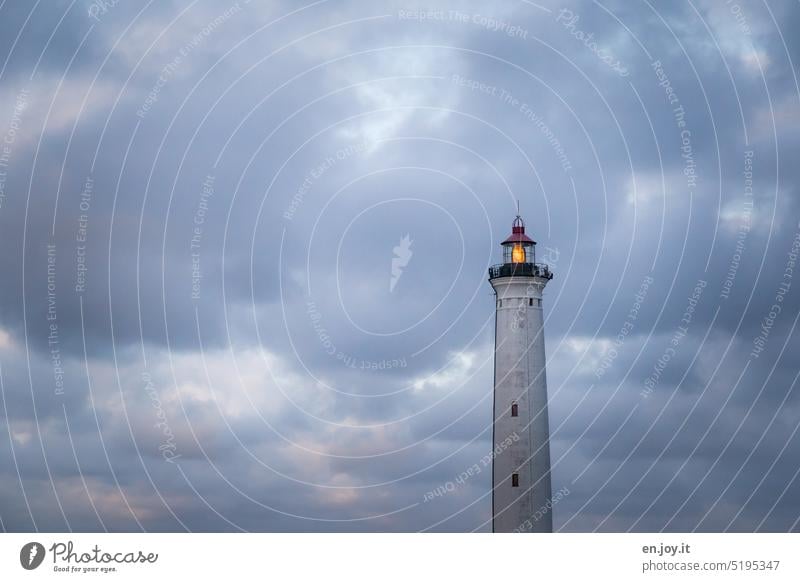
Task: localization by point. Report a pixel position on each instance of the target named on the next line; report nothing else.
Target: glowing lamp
(517, 254)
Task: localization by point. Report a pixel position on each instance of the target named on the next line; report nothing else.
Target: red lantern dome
(519, 247)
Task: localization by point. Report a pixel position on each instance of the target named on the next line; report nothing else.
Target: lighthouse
(521, 488)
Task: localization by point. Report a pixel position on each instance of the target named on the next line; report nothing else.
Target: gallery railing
(520, 270)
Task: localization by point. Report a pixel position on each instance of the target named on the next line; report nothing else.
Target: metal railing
(520, 270)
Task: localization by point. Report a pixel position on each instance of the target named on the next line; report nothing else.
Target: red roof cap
(518, 233)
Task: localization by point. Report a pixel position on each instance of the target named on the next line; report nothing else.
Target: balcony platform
(520, 270)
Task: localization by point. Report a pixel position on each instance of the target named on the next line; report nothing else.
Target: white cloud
(455, 374)
(6, 341)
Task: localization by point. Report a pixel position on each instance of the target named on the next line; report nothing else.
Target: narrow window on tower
(514, 409)
(515, 479)
(530, 302)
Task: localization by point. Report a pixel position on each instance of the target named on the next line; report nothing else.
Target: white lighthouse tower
(521, 469)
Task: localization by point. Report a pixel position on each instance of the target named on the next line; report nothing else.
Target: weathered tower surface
(521, 469)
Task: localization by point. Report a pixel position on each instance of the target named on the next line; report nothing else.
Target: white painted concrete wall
(520, 376)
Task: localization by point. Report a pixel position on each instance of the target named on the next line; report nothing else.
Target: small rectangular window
(515, 479)
(530, 302)
(499, 302)
(514, 410)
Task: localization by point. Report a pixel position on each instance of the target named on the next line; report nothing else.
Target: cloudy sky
(200, 203)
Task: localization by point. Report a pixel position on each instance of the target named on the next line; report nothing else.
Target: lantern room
(519, 247)
(519, 256)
